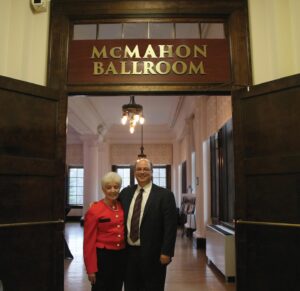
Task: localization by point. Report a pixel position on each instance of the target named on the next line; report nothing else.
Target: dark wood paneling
(32, 165)
(273, 198)
(222, 175)
(276, 115)
(267, 169)
(226, 173)
(31, 257)
(27, 198)
(26, 119)
(270, 257)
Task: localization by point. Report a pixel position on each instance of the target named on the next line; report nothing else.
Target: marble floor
(188, 271)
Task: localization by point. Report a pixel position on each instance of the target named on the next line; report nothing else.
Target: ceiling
(101, 115)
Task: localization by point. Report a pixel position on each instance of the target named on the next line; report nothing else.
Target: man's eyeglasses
(143, 170)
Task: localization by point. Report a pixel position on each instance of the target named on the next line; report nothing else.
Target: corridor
(188, 270)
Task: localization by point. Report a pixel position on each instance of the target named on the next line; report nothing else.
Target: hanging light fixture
(141, 155)
(133, 113)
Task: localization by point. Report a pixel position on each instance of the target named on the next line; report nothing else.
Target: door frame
(64, 13)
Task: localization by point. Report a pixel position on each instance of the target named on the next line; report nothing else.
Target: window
(75, 186)
(150, 30)
(183, 178)
(222, 175)
(160, 176)
(124, 172)
(193, 159)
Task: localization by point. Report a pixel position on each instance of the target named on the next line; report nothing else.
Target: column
(189, 139)
(201, 200)
(176, 178)
(90, 164)
(104, 164)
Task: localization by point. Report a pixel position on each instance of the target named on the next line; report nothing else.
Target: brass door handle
(30, 223)
(267, 223)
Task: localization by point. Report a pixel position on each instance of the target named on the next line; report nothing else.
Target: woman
(104, 241)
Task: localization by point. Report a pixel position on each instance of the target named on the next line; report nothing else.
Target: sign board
(149, 61)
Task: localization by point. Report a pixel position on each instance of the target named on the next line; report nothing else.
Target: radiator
(220, 249)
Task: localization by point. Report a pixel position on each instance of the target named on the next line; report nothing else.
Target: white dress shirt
(146, 193)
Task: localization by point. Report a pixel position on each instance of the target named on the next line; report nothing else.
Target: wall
(274, 37)
(74, 155)
(218, 111)
(126, 154)
(208, 115)
(24, 41)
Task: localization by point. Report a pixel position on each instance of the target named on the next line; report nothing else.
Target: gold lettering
(176, 69)
(195, 70)
(166, 65)
(183, 51)
(98, 68)
(150, 52)
(123, 69)
(135, 68)
(97, 54)
(165, 51)
(113, 52)
(202, 51)
(111, 69)
(135, 53)
(148, 66)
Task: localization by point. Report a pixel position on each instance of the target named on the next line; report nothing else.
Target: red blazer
(103, 228)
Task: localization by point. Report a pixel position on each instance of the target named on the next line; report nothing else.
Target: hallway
(188, 271)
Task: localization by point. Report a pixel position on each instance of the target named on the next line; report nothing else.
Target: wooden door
(266, 122)
(32, 154)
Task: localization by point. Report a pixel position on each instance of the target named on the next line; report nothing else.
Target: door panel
(268, 258)
(32, 159)
(267, 169)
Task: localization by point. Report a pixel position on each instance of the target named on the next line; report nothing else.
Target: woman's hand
(165, 260)
(92, 278)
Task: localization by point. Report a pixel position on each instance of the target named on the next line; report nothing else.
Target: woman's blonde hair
(111, 177)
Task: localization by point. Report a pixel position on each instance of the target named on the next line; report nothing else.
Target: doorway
(67, 14)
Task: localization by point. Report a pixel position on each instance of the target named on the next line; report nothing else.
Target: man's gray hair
(143, 159)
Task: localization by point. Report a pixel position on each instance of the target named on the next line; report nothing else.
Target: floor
(188, 270)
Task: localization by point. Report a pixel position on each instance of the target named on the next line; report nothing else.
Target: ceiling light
(133, 113)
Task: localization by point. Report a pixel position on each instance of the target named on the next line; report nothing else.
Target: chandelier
(133, 113)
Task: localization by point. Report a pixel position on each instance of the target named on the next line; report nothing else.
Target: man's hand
(92, 203)
(165, 260)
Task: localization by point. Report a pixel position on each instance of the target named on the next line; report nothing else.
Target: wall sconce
(133, 113)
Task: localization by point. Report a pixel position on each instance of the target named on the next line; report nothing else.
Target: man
(151, 246)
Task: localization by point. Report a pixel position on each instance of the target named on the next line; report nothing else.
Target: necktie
(135, 219)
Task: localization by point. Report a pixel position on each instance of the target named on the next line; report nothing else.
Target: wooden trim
(64, 13)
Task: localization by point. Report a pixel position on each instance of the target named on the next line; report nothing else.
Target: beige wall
(218, 111)
(126, 154)
(74, 155)
(275, 40)
(24, 41)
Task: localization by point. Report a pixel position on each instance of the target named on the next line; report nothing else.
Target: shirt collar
(146, 188)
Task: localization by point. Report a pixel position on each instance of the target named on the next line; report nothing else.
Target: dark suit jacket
(159, 223)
